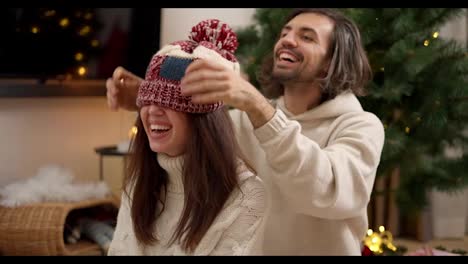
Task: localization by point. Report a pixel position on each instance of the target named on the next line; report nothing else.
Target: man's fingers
(204, 80)
(112, 103)
(111, 94)
(208, 98)
(121, 75)
(203, 86)
(110, 86)
(203, 64)
(203, 74)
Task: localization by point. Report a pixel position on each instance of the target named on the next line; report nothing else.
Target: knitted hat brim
(167, 94)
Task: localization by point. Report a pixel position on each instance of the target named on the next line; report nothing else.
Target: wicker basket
(38, 229)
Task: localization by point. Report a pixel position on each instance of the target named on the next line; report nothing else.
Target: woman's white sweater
(237, 230)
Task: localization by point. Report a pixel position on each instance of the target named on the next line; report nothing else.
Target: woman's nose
(155, 110)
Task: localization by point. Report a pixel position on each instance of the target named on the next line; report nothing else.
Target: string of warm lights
(81, 20)
(426, 43)
(435, 35)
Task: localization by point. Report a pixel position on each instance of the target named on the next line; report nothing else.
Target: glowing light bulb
(94, 42)
(64, 22)
(79, 56)
(35, 29)
(88, 16)
(81, 70)
(84, 30)
(133, 131)
(49, 13)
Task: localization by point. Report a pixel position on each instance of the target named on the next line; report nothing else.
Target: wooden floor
(449, 244)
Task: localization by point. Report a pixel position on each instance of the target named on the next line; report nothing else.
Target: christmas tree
(419, 91)
(49, 42)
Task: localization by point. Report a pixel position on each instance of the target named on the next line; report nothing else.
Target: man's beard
(284, 76)
(296, 75)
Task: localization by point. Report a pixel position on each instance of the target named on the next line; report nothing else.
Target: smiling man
(314, 146)
(318, 147)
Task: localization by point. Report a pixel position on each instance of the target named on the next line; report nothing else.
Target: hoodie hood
(344, 103)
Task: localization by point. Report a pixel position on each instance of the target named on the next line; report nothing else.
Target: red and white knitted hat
(210, 39)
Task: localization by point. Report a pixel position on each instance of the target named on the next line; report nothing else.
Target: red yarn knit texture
(155, 89)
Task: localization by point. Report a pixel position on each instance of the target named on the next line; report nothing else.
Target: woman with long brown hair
(187, 191)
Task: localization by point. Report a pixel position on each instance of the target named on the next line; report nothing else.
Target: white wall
(176, 23)
(450, 211)
(64, 131)
(456, 29)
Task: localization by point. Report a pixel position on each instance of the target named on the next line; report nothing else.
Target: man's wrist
(260, 112)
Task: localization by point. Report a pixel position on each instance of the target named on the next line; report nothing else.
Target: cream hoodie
(319, 169)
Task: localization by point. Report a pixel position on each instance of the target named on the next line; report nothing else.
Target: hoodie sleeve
(334, 182)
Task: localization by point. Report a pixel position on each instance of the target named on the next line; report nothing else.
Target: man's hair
(209, 177)
(349, 67)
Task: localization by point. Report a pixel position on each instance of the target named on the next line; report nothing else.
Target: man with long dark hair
(314, 146)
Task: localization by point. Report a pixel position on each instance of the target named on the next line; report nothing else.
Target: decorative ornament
(376, 241)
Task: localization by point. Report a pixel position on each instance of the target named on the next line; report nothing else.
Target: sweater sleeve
(245, 233)
(334, 182)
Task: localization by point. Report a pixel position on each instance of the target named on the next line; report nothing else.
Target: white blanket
(51, 184)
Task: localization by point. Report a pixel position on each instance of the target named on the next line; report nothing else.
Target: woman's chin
(158, 149)
(164, 151)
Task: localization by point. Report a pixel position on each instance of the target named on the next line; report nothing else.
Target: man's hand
(209, 82)
(122, 90)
